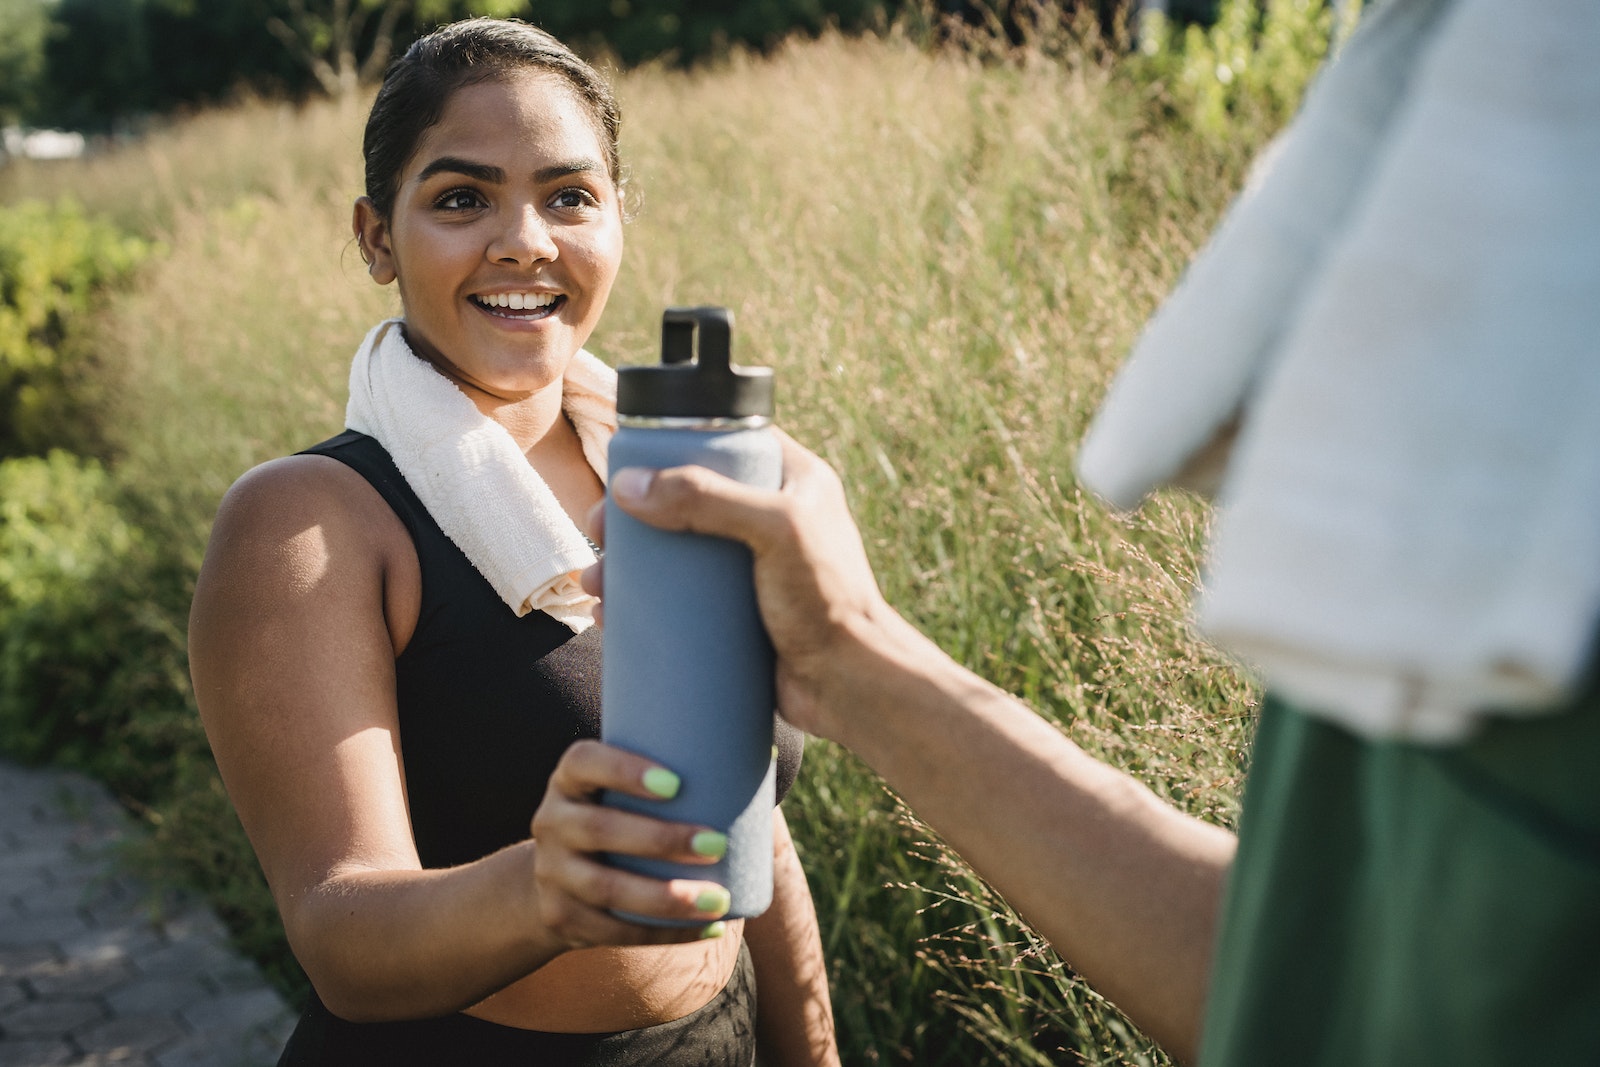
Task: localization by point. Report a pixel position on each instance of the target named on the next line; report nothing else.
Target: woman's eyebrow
(562, 170)
(483, 172)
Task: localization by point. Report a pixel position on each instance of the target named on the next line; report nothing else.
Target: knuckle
(598, 885)
(787, 527)
(578, 773)
(581, 754)
(545, 820)
(679, 486)
(588, 827)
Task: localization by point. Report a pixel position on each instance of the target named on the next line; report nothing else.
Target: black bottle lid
(695, 378)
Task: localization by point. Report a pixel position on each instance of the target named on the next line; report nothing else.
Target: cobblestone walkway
(91, 971)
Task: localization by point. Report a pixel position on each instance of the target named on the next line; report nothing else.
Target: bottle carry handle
(711, 326)
(696, 377)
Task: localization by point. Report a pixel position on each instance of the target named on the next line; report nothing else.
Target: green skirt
(1394, 904)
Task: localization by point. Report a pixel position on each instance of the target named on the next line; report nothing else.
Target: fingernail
(709, 843)
(662, 782)
(714, 901)
(712, 931)
(631, 483)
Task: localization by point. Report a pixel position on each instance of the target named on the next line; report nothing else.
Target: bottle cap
(695, 378)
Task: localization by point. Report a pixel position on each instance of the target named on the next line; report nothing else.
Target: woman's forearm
(405, 944)
(794, 1027)
(381, 939)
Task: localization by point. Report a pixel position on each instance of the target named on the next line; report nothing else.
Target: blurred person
(397, 669)
(1386, 366)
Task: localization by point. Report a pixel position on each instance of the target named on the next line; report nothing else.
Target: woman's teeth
(517, 301)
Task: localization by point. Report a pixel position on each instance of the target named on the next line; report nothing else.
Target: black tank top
(488, 701)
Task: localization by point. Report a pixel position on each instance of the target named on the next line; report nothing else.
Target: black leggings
(721, 1034)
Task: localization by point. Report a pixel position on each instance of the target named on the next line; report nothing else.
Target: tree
(23, 24)
(347, 43)
(110, 63)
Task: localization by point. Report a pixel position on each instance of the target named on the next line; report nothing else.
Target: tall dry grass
(944, 256)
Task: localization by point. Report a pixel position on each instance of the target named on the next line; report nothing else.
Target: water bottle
(687, 675)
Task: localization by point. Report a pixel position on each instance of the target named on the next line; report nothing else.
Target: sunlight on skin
(307, 553)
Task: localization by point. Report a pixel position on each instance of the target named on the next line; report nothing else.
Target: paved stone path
(93, 970)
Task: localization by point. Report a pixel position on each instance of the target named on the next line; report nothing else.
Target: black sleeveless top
(488, 701)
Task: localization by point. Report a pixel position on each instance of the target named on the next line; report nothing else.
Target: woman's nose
(525, 238)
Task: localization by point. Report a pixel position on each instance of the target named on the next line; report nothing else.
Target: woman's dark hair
(420, 83)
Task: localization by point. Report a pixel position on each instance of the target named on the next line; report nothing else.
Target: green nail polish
(662, 782)
(709, 843)
(774, 751)
(714, 901)
(711, 931)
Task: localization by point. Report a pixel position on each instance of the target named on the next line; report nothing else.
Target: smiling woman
(505, 236)
(397, 670)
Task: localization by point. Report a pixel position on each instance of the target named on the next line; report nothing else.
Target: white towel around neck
(474, 480)
(1401, 315)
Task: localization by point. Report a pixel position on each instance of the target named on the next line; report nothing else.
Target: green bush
(54, 261)
(1252, 63)
(92, 669)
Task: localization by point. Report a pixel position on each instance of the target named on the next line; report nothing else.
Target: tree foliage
(105, 62)
(345, 43)
(55, 260)
(22, 32)
(96, 64)
(636, 30)
(111, 61)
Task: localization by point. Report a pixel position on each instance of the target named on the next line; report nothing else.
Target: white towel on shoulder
(1401, 315)
(472, 477)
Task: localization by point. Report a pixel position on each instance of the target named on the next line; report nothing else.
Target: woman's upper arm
(293, 666)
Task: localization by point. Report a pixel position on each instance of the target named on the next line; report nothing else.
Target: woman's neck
(530, 420)
(528, 417)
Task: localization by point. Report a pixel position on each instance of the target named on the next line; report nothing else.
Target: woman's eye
(458, 200)
(575, 199)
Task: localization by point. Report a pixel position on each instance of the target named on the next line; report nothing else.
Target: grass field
(944, 254)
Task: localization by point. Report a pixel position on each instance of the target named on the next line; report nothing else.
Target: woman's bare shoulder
(296, 516)
(298, 481)
(294, 493)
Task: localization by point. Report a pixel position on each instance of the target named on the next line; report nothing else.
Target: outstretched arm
(1124, 886)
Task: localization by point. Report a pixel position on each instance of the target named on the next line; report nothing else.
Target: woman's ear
(372, 237)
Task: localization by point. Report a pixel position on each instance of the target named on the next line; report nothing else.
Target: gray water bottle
(687, 675)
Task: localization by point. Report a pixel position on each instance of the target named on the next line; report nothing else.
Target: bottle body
(687, 676)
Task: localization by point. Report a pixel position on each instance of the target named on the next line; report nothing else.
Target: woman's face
(505, 237)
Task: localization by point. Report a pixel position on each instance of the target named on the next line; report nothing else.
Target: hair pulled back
(419, 84)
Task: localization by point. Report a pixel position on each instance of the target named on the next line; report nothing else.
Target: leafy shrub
(59, 535)
(54, 260)
(1255, 58)
(92, 669)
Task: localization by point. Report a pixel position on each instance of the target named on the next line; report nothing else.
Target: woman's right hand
(577, 891)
